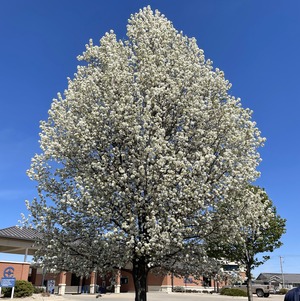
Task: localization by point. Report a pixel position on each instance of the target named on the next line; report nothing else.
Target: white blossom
(139, 153)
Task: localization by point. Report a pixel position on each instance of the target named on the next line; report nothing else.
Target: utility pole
(281, 272)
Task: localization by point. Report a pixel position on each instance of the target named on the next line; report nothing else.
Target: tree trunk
(249, 282)
(139, 273)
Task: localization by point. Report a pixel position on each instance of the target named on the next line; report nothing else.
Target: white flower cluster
(252, 227)
(139, 152)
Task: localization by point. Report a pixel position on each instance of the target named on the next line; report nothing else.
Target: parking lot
(152, 296)
(158, 296)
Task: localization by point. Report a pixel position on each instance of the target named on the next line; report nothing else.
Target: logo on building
(8, 279)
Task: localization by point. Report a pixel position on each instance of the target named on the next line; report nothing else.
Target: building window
(75, 280)
(206, 281)
(124, 280)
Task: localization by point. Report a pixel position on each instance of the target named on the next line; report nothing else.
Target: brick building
(21, 241)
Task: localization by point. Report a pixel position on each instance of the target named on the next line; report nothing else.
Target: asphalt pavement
(158, 296)
(152, 296)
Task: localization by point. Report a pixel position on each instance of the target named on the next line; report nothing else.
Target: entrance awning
(15, 240)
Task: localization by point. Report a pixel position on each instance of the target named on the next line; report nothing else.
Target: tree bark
(249, 282)
(139, 273)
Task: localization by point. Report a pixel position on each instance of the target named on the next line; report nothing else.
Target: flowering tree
(139, 154)
(260, 230)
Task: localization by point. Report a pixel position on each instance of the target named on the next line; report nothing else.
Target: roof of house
(19, 233)
(288, 277)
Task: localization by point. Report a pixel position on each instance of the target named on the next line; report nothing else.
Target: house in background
(16, 240)
(280, 280)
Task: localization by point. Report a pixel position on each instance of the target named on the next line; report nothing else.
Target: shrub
(178, 289)
(39, 289)
(283, 291)
(22, 289)
(233, 292)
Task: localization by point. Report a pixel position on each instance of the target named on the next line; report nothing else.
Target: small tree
(139, 156)
(260, 230)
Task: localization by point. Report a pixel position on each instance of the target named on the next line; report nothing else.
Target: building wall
(155, 282)
(155, 279)
(129, 286)
(21, 269)
(158, 282)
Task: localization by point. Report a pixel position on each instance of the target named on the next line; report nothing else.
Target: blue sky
(256, 43)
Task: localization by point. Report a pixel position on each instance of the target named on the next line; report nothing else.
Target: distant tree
(138, 155)
(260, 230)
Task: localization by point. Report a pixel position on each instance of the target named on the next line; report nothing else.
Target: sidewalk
(37, 297)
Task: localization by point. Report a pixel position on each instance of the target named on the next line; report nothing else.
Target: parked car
(261, 289)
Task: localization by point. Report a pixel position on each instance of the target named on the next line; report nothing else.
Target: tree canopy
(139, 154)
